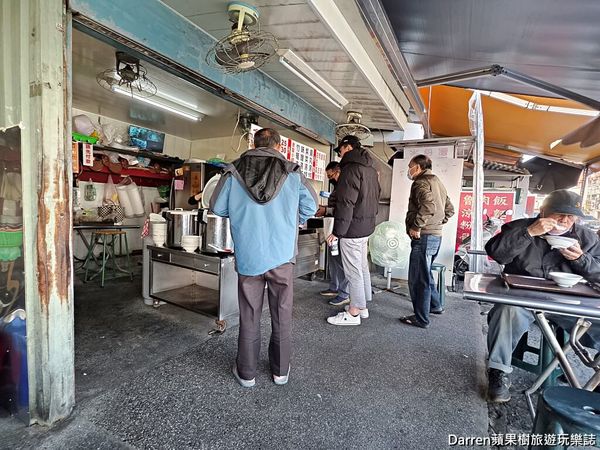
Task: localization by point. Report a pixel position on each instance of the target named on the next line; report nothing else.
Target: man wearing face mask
(522, 249)
(338, 284)
(354, 221)
(429, 208)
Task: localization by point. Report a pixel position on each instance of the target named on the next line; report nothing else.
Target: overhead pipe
(495, 70)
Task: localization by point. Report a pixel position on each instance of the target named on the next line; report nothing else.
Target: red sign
(495, 204)
(530, 205)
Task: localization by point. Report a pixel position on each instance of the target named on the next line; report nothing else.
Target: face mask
(409, 175)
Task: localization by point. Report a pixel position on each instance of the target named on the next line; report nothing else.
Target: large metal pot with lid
(180, 223)
(216, 235)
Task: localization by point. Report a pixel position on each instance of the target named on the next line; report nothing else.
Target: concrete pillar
(41, 31)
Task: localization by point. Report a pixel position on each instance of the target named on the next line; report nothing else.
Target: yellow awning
(507, 125)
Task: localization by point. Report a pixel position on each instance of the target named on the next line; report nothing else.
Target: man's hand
(198, 196)
(414, 234)
(321, 211)
(572, 253)
(541, 226)
(330, 239)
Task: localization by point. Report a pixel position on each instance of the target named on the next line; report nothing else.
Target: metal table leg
(578, 331)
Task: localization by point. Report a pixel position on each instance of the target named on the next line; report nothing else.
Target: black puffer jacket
(357, 196)
(523, 254)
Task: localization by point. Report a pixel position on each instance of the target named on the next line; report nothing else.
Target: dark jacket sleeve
(347, 192)
(512, 240)
(588, 264)
(426, 204)
(448, 210)
(192, 200)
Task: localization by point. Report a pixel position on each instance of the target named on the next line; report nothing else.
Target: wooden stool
(107, 239)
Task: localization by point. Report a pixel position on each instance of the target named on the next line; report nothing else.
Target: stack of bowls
(159, 233)
(190, 242)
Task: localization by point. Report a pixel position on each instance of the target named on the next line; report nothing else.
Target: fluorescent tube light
(302, 70)
(179, 101)
(188, 115)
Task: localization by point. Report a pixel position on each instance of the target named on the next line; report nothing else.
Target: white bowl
(190, 249)
(559, 241)
(565, 279)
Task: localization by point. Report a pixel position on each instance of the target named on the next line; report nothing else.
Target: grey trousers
(356, 268)
(280, 292)
(507, 324)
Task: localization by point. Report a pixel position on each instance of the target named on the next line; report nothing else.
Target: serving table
(203, 283)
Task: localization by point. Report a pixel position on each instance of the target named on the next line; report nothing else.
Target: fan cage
(226, 55)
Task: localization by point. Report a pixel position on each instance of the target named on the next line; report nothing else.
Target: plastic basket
(11, 238)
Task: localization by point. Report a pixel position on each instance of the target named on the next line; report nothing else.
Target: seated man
(520, 247)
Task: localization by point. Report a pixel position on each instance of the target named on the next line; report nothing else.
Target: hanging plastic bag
(110, 192)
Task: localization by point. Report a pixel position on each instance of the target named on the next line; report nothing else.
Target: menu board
(320, 162)
(311, 161)
(495, 203)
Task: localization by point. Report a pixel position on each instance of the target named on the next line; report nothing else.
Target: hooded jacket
(265, 197)
(523, 254)
(428, 205)
(357, 196)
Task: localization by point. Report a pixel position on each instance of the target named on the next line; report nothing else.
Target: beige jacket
(428, 205)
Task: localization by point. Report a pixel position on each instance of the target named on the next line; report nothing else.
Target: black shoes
(498, 386)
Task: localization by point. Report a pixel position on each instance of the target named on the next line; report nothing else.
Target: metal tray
(541, 284)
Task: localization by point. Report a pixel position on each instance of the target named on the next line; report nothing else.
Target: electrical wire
(240, 142)
(233, 134)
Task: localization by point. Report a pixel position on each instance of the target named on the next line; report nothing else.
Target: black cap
(350, 139)
(563, 201)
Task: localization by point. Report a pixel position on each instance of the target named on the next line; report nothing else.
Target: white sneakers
(281, 380)
(243, 383)
(364, 313)
(344, 318)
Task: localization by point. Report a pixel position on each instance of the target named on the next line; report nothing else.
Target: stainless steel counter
(206, 284)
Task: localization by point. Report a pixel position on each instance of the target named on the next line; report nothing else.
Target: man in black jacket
(338, 284)
(522, 249)
(354, 221)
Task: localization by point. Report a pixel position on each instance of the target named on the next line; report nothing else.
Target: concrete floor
(154, 378)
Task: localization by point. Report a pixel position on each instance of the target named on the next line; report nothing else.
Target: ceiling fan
(245, 48)
(128, 76)
(352, 127)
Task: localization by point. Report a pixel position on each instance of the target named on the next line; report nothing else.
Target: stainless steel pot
(180, 223)
(216, 235)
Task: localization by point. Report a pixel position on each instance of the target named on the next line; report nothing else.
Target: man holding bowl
(528, 247)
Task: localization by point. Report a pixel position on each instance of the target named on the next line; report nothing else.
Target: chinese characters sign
(494, 203)
(311, 161)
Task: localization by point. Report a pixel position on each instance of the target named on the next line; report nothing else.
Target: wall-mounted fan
(352, 127)
(128, 76)
(245, 48)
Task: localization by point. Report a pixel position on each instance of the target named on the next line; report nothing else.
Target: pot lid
(209, 188)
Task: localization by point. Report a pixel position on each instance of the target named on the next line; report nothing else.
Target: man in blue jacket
(265, 197)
